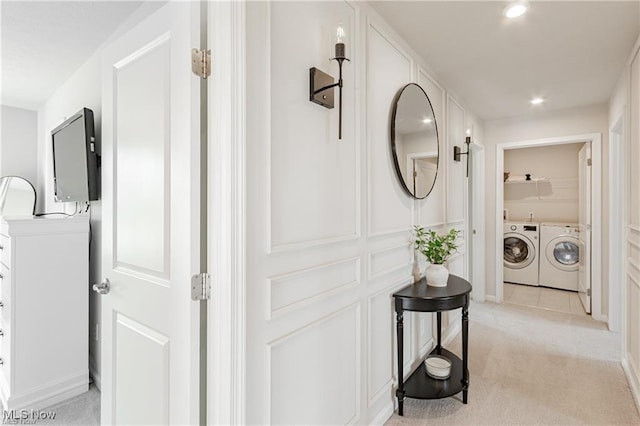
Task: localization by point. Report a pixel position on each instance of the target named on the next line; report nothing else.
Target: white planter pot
(437, 275)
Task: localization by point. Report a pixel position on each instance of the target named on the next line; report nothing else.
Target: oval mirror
(414, 141)
(17, 197)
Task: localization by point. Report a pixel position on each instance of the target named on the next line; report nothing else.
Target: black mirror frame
(393, 141)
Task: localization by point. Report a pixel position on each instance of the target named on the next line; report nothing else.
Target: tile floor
(543, 298)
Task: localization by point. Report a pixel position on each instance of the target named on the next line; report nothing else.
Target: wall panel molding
(294, 224)
(387, 348)
(294, 290)
(296, 351)
(455, 171)
(387, 260)
(433, 208)
(389, 210)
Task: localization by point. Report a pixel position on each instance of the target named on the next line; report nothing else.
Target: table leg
(465, 350)
(400, 332)
(439, 346)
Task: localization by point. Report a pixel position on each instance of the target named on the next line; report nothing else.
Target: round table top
(456, 287)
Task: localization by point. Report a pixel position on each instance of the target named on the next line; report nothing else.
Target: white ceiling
(44, 42)
(569, 52)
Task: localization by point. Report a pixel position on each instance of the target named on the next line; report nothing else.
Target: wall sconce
(457, 152)
(321, 84)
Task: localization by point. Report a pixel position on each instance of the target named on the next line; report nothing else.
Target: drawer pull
(1, 361)
(1, 332)
(1, 304)
(1, 276)
(1, 247)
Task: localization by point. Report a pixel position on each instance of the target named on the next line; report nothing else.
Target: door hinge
(588, 161)
(201, 287)
(589, 292)
(201, 62)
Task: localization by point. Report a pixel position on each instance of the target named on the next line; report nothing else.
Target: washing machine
(560, 256)
(521, 251)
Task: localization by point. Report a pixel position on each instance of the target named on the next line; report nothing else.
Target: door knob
(103, 287)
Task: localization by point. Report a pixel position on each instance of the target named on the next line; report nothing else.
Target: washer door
(519, 251)
(563, 253)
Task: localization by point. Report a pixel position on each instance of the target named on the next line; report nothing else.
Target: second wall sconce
(321, 84)
(457, 152)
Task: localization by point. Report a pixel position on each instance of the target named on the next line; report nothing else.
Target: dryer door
(519, 251)
(563, 253)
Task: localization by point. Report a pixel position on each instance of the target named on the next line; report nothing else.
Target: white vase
(415, 271)
(437, 275)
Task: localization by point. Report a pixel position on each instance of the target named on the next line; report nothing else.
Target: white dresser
(44, 301)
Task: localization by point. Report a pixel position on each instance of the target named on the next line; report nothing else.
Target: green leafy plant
(435, 247)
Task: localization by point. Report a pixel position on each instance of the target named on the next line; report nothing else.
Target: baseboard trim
(634, 384)
(451, 332)
(96, 377)
(48, 394)
(489, 298)
(385, 414)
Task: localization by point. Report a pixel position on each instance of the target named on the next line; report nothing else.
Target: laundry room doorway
(548, 194)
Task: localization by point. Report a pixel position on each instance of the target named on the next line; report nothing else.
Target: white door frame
(226, 351)
(476, 221)
(618, 170)
(596, 208)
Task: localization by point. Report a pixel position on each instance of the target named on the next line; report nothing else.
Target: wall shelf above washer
(527, 182)
(542, 187)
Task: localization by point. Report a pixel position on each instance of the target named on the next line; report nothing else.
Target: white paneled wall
(431, 210)
(631, 356)
(328, 224)
(388, 70)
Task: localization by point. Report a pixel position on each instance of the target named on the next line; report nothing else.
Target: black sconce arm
(331, 86)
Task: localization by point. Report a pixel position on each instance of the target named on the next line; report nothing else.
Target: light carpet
(532, 366)
(83, 410)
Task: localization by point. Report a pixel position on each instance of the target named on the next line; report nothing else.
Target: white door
(584, 215)
(150, 183)
(425, 170)
(475, 220)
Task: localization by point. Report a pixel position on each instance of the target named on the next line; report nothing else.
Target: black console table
(420, 297)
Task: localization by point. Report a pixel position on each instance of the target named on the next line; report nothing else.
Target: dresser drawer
(5, 295)
(4, 342)
(5, 250)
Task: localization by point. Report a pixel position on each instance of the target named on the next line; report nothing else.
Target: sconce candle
(340, 48)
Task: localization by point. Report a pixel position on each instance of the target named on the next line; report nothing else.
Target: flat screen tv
(75, 162)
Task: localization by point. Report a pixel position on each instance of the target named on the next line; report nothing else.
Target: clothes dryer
(560, 255)
(521, 248)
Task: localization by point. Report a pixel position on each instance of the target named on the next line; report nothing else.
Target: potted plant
(437, 249)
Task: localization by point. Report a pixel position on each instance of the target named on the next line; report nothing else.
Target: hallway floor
(534, 366)
(544, 298)
(82, 410)
(527, 366)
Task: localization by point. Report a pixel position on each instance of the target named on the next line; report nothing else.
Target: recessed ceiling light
(537, 101)
(427, 121)
(516, 9)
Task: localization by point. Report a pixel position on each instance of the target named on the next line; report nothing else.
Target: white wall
(577, 121)
(18, 143)
(83, 89)
(328, 224)
(554, 199)
(625, 102)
